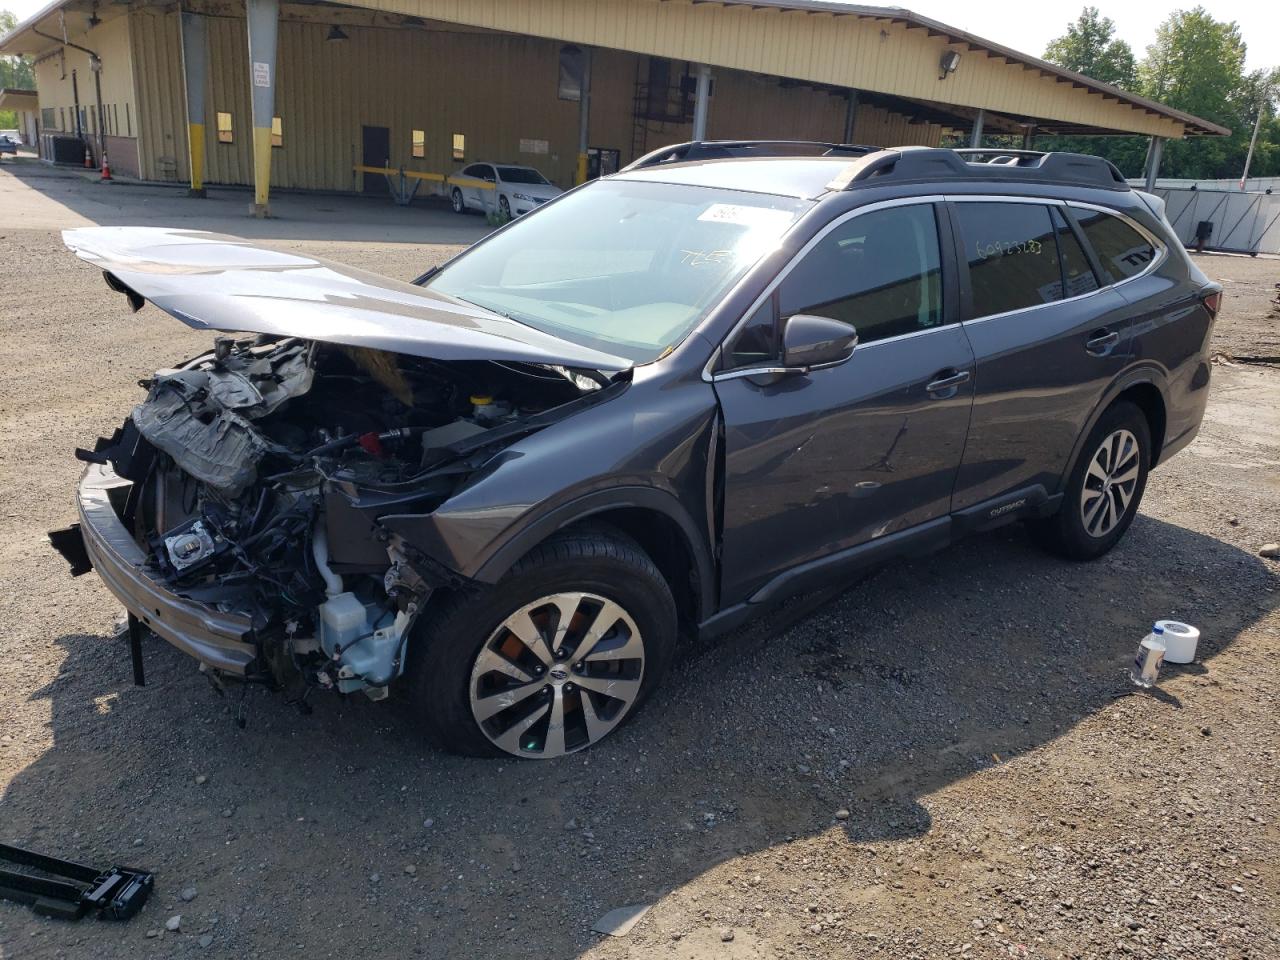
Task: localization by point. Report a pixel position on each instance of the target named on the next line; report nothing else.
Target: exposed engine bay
(260, 471)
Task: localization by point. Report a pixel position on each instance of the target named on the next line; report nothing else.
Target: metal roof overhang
(890, 55)
(11, 99)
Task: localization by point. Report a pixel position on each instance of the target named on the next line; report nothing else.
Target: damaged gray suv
(667, 399)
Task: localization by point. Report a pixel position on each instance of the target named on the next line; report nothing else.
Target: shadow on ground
(295, 215)
(868, 700)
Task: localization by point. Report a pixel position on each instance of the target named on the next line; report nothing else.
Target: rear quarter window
(1122, 251)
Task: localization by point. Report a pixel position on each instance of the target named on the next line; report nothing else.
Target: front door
(377, 153)
(817, 463)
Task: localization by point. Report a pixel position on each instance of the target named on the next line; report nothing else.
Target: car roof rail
(915, 164)
(730, 149)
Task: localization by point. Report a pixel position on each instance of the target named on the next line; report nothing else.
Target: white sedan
(504, 188)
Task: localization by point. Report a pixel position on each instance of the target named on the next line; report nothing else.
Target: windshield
(520, 175)
(625, 267)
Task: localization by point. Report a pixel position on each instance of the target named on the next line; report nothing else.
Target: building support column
(850, 115)
(975, 138)
(701, 100)
(263, 17)
(194, 57)
(1154, 151)
(1029, 136)
(584, 117)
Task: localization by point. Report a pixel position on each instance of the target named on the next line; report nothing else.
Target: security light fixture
(950, 60)
(336, 33)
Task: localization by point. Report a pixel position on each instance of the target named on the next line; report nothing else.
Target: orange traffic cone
(106, 169)
(88, 160)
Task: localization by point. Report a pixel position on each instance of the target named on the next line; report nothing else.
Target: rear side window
(1076, 272)
(1122, 251)
(880, 272)
(1013, 259)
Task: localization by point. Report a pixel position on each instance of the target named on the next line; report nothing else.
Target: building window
(419, 144)
(459, 146)
(277, 132)
(46, 117)
(115, 118)
(128, 121)
(225, 132)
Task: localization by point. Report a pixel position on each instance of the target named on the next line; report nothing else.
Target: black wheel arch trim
(598, 502)
(1149, 374)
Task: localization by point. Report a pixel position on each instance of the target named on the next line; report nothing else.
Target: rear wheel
(550, 660)
(455, 198)
(1104, 489)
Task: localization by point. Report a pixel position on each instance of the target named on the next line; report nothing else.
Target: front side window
(1012, 255)
(1122, 251)
(879, 272)
(625, 267)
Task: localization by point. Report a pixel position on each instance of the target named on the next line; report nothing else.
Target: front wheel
(504, 208)
(455, 199)
(550, 660)
(1104, 489)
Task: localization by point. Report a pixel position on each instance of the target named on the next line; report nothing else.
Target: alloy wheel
(1109, 483)
(557, 675)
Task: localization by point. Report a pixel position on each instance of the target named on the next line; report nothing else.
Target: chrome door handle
(1101, 343)
(951, 379)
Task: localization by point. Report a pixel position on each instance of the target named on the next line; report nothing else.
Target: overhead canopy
(883, 51)
(891, 56)
(11, 99)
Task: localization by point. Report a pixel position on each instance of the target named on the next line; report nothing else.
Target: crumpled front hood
(217, 282)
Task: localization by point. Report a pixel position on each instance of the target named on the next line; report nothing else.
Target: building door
(376, 153)
(602, 161)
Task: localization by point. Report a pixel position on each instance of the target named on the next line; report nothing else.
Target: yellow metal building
(429, 85)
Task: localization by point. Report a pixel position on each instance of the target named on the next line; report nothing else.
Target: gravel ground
(942, 760)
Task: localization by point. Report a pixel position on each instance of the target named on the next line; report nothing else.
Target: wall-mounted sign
(261, 74)
(534, 146)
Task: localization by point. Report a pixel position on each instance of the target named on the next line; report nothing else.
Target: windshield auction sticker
(754, 218)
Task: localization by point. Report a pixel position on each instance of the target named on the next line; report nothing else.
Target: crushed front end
(236, 512)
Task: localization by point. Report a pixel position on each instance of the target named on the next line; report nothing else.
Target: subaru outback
(667, 399)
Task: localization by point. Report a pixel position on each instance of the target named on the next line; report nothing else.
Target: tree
(1090, 47)
(1197, 65)
(14, 71)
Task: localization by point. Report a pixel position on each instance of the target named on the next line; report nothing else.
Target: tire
(504, 207)
(451, 675)
(1082, 529)
(455, 199)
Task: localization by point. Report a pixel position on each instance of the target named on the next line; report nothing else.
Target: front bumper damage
(220, 640)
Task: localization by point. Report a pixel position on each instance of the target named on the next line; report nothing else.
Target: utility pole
(1264, 100)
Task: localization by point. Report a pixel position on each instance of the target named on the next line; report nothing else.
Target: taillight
(1212, 301)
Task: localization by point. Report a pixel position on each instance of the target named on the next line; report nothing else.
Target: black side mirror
(809, 341)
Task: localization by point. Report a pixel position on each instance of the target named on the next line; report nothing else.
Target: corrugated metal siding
(161, 120)
(496, 89)
(846, 51)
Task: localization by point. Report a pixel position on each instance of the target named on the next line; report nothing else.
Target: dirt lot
(1008, 793)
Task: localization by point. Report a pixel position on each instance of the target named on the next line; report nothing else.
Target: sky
(1028, 27)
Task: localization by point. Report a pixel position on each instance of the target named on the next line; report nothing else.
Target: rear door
(819, 463)
(1048, 340)
(476, 195)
